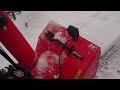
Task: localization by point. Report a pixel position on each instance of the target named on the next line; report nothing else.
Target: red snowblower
(60, 52)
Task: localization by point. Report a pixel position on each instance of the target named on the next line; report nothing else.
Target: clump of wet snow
(46, 61)
(19, 73)
(41, 64)
(6, 69)
(56, 76)
(60, 37)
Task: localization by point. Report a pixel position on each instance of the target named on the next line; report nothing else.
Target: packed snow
(60, 37)
(45, 64)
(99, 27)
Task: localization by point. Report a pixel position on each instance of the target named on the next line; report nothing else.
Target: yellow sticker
(78, 74)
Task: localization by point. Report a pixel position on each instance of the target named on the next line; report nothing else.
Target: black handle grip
(77, 55)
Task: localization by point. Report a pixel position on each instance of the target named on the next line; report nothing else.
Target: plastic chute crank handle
(73, 52)
(50, 37)
(77, 55)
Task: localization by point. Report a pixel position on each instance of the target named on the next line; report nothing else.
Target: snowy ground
(99, 27)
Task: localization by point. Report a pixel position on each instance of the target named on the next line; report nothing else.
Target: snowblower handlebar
(4, 54)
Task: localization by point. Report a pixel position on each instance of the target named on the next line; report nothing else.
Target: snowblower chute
(15, 42)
